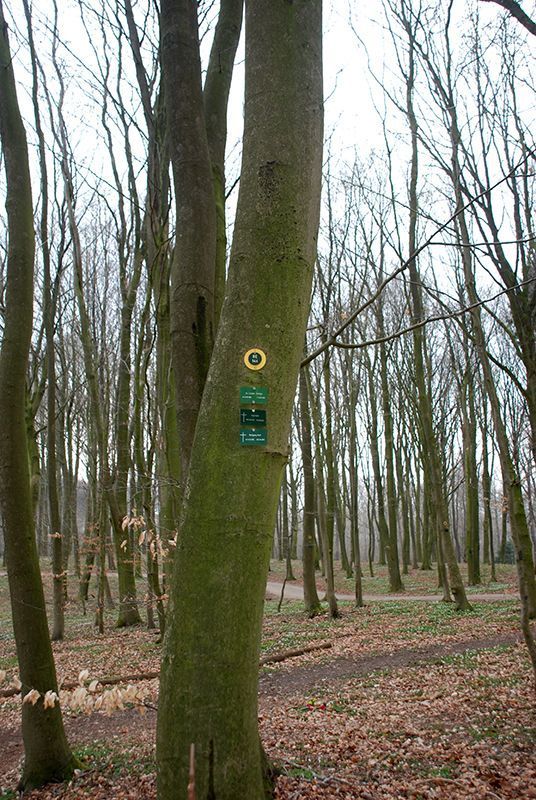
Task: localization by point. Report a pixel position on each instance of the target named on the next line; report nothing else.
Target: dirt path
(294, 591)
(303, 678)
(310, 676)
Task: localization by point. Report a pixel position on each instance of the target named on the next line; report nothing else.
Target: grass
(471, 700)
(415, 620)
(101, 756)
(417, 582)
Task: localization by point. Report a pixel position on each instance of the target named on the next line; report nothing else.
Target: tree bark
(310, 595)
(47, 753)
(210, 663)
(215, 98)
(192, 270)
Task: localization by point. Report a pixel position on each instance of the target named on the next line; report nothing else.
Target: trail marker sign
(255, 358)
(253, 395)
(253, 416)
(252, 436)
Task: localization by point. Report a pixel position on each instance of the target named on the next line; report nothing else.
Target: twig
(191, 774)
(330, 341)
(282, 595)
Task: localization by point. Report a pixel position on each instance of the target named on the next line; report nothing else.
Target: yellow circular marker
(255, 358)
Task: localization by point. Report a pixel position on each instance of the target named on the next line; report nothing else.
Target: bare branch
(332, 339)
(516, 11)
(422, 323)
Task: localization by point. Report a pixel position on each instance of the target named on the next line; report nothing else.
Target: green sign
(250, 436)
(250, 395)
(252, 416)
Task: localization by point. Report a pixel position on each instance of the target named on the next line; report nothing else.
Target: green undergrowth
(120, 762)
(411, 622)
(416, 582)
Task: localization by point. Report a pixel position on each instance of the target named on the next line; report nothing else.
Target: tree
(210, 662)
(192, 322)
(47, 753)
(430, 450)
(310, 595)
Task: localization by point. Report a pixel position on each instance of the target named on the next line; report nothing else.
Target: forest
(267, 399)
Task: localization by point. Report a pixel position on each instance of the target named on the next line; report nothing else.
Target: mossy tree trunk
(325, 533)
(215, 98)
(209, 671)
(55, 530)
(192, 325)
(47, 753)
(310, 594)
(472, 521)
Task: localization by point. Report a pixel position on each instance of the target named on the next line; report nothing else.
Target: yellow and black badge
(255, 358)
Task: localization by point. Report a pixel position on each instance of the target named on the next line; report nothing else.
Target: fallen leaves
(460, 726)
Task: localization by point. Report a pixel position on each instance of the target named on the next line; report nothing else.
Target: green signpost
(256, 417)
(251, 395)
(253, 416)
(251, 436)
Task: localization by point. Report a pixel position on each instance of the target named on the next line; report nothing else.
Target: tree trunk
(472, 523)
(215, 98)
(354, 507)
(194, 258)
(430, 446)
(518, 519)
(310, 595)
(209, 676)
(47, 753)
(395, 579)
(326, 543)
(489, 548)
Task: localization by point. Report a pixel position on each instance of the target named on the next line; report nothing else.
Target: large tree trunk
(210, 664)
(47, 754)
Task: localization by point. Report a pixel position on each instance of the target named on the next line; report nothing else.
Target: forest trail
(294, 591)
(321, 674)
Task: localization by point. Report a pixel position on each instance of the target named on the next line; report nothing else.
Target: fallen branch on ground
(293, 653)
(149, 676)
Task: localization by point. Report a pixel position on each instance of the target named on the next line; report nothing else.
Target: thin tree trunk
(326, 543)
(215, 98)
(310, 595)
(47, 753)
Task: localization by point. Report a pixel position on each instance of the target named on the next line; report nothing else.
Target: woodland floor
(412, 700)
